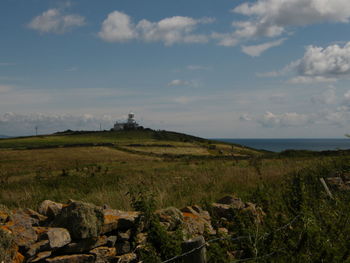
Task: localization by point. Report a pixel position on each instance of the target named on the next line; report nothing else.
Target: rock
(118, 220)
(37, 247)
(222, 210)
(127, 258)
(82, 258)
(233, 201)
(104, 254)
(83, 245)
(124, 236)
(50, 208)
(111, 240)
(35, 215)
(82, 220)
(170, 217)
(40, 256)
(196, 221)
(123, 247)
(21, 226)
(230, 206)
(57, 237)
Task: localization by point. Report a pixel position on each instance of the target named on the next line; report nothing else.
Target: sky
(215, 69)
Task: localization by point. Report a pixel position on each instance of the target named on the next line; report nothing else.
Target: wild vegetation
(302, 223)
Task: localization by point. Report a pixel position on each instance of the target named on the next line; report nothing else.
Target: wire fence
(237, 239)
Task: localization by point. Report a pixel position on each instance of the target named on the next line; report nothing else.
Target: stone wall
(81, 232)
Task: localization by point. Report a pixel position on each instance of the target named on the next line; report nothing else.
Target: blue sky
(239, 69)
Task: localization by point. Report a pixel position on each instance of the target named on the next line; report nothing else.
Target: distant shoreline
(280, 144)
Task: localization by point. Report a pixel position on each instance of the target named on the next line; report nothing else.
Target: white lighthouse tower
(129, 124)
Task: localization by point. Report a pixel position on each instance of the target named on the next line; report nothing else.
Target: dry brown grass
(176, 150)
(21, 162)
(104, 175)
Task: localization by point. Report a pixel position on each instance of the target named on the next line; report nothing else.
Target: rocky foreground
(82, 232)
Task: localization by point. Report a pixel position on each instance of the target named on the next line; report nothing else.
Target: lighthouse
(130, 123)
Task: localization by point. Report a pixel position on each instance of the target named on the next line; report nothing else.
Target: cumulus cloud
(183, 83)
(327, 96)
(257, 50)
(271, 18)
(332, 61)
(55, 21)
(119, 27)
(14, 124)
(292, 119)
(317, 65)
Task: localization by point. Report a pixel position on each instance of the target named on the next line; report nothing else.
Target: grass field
(62, 167)
(180, 170)
(105, 174)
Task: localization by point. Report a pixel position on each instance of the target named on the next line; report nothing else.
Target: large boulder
(56, 237)
(171, 218)
(50, 208)
(83, 220)
(231, 206)
(21, 226)
(196, 222)
(118, 220)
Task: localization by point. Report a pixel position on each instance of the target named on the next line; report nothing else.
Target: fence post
(199, 255)
(326, 188)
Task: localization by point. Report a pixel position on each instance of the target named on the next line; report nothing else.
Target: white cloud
(292, 119)
(327, 96)
(257, 50)
(55, 21)
(183, 83)
(310, 80)
(225, 40)
(245, 117)
(332, 61)
(118, 27)
(271, 18)
(318, 65)
(346, 99)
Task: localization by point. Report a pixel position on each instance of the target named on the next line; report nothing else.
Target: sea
(278, 145)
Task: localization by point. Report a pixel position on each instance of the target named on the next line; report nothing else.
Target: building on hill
(130, 123)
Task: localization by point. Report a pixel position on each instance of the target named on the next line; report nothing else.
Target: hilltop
(140, 141)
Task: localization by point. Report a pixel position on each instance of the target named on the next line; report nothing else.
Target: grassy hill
(304, 224)
(101, 167)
